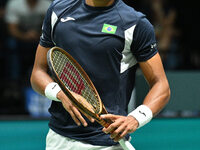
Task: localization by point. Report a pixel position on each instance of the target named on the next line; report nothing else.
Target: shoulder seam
(123, 23)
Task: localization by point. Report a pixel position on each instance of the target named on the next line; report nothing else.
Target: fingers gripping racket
(71, 77)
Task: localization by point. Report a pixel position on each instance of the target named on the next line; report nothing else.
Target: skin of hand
(72, 110)
(121, 126)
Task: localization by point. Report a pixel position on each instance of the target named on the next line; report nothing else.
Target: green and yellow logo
(107, 28)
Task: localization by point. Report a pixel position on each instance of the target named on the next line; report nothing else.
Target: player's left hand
(121, 126)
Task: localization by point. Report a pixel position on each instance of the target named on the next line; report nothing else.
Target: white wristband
(142, 114)
(52, 90)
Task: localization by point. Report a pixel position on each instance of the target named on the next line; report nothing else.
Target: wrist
(135, 120)
(142, 114)
(52, 90)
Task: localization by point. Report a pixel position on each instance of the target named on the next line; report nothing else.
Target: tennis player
(108, 38)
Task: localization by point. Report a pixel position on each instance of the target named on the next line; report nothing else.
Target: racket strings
(74, 80)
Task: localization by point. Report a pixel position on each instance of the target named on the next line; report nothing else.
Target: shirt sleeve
(45, 38)
(144, 42)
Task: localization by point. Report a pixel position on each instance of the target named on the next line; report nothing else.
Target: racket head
(70, 76)
(67, 86)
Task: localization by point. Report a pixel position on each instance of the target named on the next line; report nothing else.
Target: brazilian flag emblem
(107, 28)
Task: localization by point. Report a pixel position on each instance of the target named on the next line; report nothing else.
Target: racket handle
(103, 123)
(126, 145)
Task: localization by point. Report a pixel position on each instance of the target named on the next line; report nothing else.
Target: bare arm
(39, 76)
(156, 99)
(159, 93)
(40, 79)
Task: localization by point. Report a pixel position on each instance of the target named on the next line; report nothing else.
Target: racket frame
(126, 145)
(67, 92)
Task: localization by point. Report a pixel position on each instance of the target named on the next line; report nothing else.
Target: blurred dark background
(177, 31)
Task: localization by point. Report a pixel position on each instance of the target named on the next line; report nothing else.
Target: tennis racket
(70, 76)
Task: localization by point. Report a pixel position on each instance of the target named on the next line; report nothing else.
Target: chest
(89, 32)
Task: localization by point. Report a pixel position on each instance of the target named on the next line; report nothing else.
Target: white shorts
(55, 141)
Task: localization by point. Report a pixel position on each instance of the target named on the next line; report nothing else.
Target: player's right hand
(72, 110)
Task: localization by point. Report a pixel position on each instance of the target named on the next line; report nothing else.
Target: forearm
(158, 96)
(39, 80)
(39, 77)
(159, 92)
